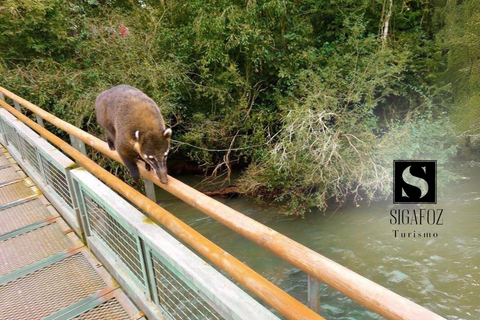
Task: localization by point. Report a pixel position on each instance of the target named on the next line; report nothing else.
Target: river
(441, 273)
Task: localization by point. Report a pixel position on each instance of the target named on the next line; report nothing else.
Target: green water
(440, 273)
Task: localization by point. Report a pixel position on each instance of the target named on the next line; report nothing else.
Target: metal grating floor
(4, 157)
(112, 309)
(16, 191)
(45, 270)
(69, 281)
(17, 251)
(9, 173)
(13, 218)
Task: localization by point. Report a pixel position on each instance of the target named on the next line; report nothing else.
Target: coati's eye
(149, 158)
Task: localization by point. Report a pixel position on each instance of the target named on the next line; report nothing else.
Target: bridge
(77, 242)
(45, 270)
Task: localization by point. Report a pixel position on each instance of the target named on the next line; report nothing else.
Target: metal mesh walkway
(46, 272)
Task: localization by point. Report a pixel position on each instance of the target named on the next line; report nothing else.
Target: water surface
(440, 273)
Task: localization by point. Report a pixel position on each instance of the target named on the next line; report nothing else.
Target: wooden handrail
(264, 289)
(364, 291)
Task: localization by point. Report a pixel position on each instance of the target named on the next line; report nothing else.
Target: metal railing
(227, 300)
(153, 263)
(319, 268)
(167, 279)
(47, 163)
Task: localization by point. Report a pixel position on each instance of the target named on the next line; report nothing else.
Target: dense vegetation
(311, 99)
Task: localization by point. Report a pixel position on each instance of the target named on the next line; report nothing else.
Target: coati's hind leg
(132, 167)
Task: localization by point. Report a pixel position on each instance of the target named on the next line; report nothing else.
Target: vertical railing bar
(75, 204)
(41, 166)
(21, 147)
(22, 141)
(82, 211)
(314, 294)
(78, 144)
(150, 188)
(3, 133)
(8, 134)
(153, 285)
(14, 139)
(142, 255)
(2, 129)
(151, 274)
(40, 120)
(17, 105)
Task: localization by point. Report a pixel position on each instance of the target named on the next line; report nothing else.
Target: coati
(135, 128)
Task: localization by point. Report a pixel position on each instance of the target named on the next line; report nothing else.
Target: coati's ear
(167, 133)
(137, 135)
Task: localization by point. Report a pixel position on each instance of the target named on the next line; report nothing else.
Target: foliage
(302, 93)
(459, 39)
(100, 58)
(422, 139)
(31, 29)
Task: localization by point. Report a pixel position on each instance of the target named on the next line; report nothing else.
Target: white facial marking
(150, 157)
(136, 147)
(166, 152)
(137, 134)
(167, 133)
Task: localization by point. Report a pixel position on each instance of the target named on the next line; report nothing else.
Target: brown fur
(124, 110)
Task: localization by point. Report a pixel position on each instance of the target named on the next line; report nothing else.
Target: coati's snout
(154, 149)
